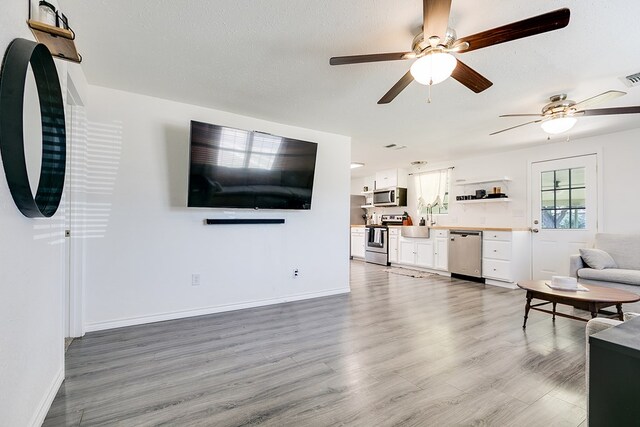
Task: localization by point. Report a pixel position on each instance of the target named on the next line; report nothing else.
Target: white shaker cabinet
(416, 251)
(424, 253)
(505, 257)
(357, 242)
(393, 244)
(441, 250)
(406, 251)
(391, 178)
(429, 253)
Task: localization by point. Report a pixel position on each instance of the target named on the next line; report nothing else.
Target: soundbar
(211, 221)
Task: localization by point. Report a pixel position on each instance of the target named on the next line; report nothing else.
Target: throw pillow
(597, 258)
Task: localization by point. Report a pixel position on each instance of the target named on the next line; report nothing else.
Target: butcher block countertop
(445, 227)
(437, 227)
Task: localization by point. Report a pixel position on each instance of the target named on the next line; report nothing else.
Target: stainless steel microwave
(390, 197)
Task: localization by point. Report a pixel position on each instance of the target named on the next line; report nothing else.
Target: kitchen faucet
(430, 221)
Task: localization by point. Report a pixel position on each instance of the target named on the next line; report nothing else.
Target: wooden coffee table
(594, 300)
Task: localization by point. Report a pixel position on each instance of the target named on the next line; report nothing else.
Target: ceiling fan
(561, 113)
(434, 46)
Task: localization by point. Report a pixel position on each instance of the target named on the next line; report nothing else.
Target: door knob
(534, 230)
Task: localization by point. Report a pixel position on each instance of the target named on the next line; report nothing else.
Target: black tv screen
(234, 168)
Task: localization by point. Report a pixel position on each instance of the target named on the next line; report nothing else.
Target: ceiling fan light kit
(560, 124)
(433, 68)
(561, 114)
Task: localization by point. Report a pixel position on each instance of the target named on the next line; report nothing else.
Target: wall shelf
(59, 41)
(464, 182)
(494, 200)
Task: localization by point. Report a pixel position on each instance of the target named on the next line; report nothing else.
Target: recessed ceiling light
(356, 165)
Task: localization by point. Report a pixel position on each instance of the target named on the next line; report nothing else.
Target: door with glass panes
(564, 212)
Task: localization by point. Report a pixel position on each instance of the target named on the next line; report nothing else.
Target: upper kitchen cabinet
(391, 178)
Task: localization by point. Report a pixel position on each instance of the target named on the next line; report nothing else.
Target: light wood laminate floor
(396, 351)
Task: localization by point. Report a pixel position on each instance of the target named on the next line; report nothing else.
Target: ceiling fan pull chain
(429, 98)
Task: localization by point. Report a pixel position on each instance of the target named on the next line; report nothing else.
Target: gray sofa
(625, 251)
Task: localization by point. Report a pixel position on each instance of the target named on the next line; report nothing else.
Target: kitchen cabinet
(416, 251)
(505, 257)
(441, 250)
(391, 178)
(357, 242)
(393, 244)
(422, 252)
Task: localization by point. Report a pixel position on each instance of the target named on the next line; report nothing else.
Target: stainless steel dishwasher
(465, 252)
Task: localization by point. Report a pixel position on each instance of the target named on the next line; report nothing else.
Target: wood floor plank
(398, 350)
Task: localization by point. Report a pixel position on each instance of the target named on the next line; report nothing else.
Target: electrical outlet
(195, 280)
(296, 272)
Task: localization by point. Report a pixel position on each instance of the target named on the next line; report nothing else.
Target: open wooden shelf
(59, 41)
(463, 182)
(492, 200)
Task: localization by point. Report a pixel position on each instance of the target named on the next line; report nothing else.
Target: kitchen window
(432, 191)
(563, 199)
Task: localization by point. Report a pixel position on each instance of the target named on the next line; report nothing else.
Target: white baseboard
(47, 400)
(159, 317)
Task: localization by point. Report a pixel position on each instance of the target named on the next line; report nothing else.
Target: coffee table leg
(554, 312)
(527, 307)
(620, 315)
(593, 308)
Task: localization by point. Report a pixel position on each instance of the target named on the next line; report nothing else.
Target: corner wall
(140, 270)
(31, 277)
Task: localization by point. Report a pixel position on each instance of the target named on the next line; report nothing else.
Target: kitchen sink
(415, 231)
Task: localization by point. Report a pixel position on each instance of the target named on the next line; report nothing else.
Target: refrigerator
(356, 211)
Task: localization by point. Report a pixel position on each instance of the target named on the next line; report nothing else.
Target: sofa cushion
(630, 277)
(623, 248)
(597, 258)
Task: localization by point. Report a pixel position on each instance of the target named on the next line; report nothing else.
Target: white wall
(140, 271)
(618, 157)
(31, 278)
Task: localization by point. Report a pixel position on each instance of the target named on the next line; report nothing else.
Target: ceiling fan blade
(517, 126)
(375, 57)
(470, 78)
(528, 27)
(522, 115)
(610, 111)
(397, 88)
(435, 14)
(598, 99)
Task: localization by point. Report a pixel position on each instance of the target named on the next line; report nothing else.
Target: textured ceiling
(270, 59)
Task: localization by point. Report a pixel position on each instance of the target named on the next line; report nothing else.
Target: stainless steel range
(377, 240)
(376, 244)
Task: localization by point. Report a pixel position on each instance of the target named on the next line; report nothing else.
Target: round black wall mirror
(19, 55)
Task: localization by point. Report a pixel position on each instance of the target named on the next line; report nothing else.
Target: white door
(564, 212)
(74, 248)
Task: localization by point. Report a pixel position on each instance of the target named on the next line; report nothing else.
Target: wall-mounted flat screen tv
(234, 168)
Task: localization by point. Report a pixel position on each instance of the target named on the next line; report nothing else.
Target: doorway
(564, 212)
(74, 249)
